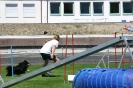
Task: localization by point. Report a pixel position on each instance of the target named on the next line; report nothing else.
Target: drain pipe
(47, 11)
(41, 11)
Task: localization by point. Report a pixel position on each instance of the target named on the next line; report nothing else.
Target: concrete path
(59, 50)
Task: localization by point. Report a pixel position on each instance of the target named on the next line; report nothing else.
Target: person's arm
(53, 51)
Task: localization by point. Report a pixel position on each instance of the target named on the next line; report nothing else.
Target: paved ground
(33, 56)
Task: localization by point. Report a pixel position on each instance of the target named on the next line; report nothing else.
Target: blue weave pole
(104, 78)
(12, 61)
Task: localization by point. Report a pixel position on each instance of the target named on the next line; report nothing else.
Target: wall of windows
(65, 11)
(19, 12)
(92, 11)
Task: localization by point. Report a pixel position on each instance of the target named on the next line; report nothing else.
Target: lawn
(47, 82)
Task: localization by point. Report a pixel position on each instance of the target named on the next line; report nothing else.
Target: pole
(12, 62)
(0, 63)
(72, 54)
(122, 53)
(65, 57)
(115, 64)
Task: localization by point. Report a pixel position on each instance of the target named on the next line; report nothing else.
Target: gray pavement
(33, 56)
(59, 50)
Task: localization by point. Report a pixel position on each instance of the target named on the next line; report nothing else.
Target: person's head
(56, 37)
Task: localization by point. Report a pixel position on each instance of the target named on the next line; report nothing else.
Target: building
(65, 11)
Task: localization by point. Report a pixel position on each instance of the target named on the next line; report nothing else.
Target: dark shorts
(47, 56)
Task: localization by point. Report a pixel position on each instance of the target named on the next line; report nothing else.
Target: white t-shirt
(47, 48)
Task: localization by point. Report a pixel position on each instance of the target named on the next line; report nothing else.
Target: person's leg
(45, 58)
(55, 59)
(49, 73)
(45, 62)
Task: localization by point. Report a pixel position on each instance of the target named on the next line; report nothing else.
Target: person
(48, 52)
(129, 28)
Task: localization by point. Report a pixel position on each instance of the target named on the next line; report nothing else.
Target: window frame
(84, 14)
(72, 8)
(114, 14)
(33, 12)
(12, 12)
(59, 9)
(98, 14)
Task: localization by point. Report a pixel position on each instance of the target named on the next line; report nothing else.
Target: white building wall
(44, 12)
(20, 18)
(121, 17)
(77, 18)
(61, 19)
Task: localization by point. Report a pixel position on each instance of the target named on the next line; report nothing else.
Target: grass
(48, 82)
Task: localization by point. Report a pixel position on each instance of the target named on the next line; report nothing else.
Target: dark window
(98, 7)
(114, 7)
(55, 8)
(68, 8)
(127, 7)
(84, 8)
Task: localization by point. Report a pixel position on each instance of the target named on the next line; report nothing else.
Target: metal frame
(102, 59)
(1, 79)
(126, 47)
(70, 59)
(123, 55)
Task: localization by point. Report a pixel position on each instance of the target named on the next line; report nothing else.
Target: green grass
(48, 82)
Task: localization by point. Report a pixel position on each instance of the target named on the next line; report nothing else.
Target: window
(98, 8)
(55, 8)
(29, 10)
(127, 8)
(85, 8)
(114, 8)
(11, 10)
(68, 8)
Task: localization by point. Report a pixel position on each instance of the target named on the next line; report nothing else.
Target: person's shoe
(44, 75)
(49, 73)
